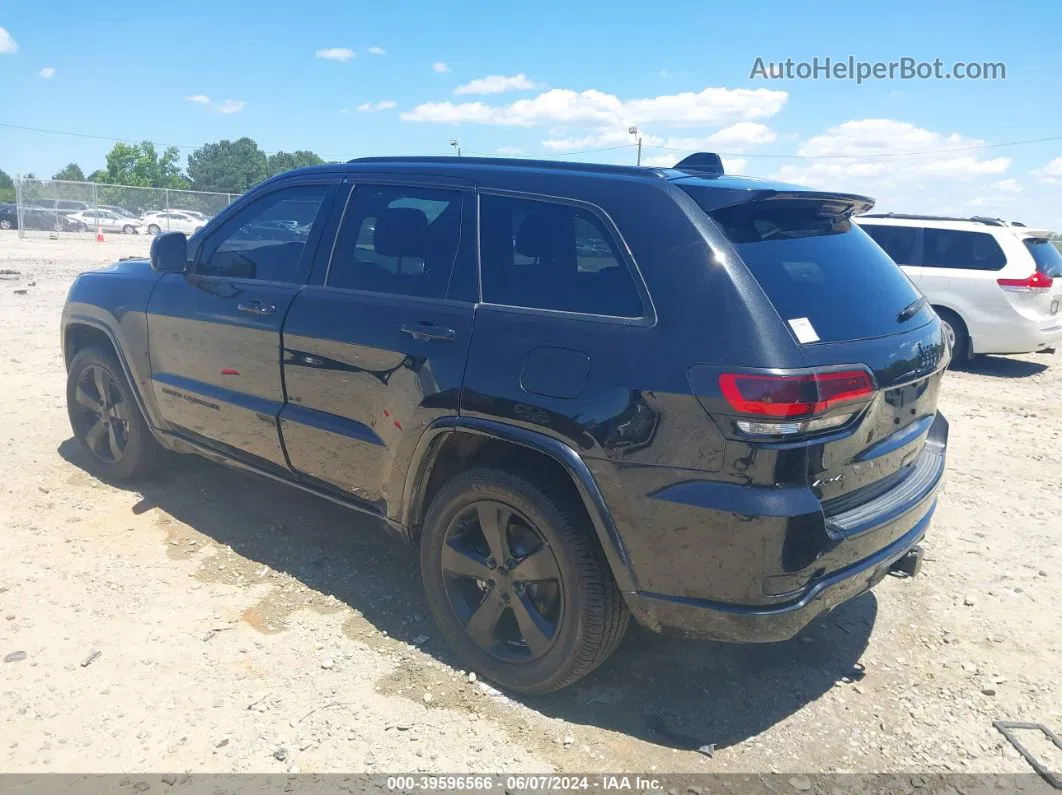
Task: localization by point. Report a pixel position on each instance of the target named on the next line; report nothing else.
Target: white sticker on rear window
(805, 332)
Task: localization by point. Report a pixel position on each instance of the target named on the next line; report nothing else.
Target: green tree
(227, 166)
(286, 161)
(71, 172)
(141, 166)
(7, 187)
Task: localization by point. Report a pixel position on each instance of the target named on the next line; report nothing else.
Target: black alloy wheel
(502, 581)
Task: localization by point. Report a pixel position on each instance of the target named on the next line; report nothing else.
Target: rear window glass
(953, 248)
(1048, 259)
(825, 276)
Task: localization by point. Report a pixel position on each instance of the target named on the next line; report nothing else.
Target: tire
(125, 449)
(154, 229)
(577, 618)
(6, 224)
(955, 331)
(128, 229)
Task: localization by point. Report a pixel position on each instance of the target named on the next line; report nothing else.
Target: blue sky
(552, 78)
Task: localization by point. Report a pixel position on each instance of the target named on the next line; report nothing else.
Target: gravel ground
(216, 622)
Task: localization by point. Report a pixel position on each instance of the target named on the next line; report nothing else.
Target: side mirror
(169, 252)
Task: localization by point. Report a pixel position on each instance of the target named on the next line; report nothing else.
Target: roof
(469, 167)
(974, 223)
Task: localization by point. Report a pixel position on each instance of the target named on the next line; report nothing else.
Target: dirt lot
(242, 626)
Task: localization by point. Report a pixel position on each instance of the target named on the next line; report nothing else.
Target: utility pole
(634, 131)
(456, 145)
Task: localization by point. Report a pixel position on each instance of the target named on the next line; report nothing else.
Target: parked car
(108, 221)
(995, 284)
(171, 221)
(8, 216)
(123, 211)
(63, 206)
(728, 425)
(38, 219)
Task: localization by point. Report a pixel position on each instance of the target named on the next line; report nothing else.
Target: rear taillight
(1038, 281)
(786, 405)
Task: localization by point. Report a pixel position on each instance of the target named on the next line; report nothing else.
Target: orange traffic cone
(99, 233)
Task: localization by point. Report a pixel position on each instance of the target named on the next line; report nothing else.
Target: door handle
(257, 308)
(427, 332)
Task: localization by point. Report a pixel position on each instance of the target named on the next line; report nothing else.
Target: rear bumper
(777, 622)
(1022, 336)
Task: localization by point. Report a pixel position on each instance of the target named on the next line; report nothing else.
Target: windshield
(824, 275)
(1048, 259)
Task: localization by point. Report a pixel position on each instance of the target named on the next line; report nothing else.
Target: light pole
(634, 131)
(456, 145)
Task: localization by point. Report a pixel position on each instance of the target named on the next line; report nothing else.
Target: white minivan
(997, 286)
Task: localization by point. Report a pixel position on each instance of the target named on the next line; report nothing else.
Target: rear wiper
(910, 310)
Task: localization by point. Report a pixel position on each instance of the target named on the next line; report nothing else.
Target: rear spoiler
(833, 204)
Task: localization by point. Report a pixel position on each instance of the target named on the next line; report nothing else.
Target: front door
(214, 334)
(375, 348)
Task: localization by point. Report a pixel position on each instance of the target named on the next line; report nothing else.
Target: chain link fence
(57, 208)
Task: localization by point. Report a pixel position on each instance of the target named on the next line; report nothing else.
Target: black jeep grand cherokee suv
(584, 391)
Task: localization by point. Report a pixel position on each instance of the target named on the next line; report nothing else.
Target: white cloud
(8, 46)
(201, 99)
(231, 106)
(497, 84)
(335, 54)
(510, 150)
(872, 154)
(377, 51)
(1008, 185)
(989, 201)
(47, 72)
(373, 107)
(735, 138)
(440, 67)
(712, 106)
(1052, 172)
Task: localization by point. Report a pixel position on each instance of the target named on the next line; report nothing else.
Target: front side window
(398, 240)
(546, 255)
(265, 240)
(954, 248)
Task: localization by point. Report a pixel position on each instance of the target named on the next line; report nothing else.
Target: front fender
(114, 302)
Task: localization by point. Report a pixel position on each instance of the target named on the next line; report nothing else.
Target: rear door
(214, 333)
(375, 347)
(1046, 297)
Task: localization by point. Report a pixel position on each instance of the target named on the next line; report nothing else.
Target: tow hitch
(910, 564)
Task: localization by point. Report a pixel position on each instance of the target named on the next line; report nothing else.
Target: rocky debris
(280, 754)
(800, 783)
(91, 658)
(327, 664)
(15, 656)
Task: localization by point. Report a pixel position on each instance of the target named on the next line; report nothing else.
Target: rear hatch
(1039, 295)
(871, 343)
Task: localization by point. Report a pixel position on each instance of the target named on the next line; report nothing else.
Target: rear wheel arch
(468, 443)
(963, 343)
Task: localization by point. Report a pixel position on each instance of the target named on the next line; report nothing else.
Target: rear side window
(953, 248)
(1047, 257)
(823, 274)
(899, 242)
(546, 255)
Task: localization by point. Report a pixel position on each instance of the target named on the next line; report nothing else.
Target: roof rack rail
(514, 162)
(980, 219)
